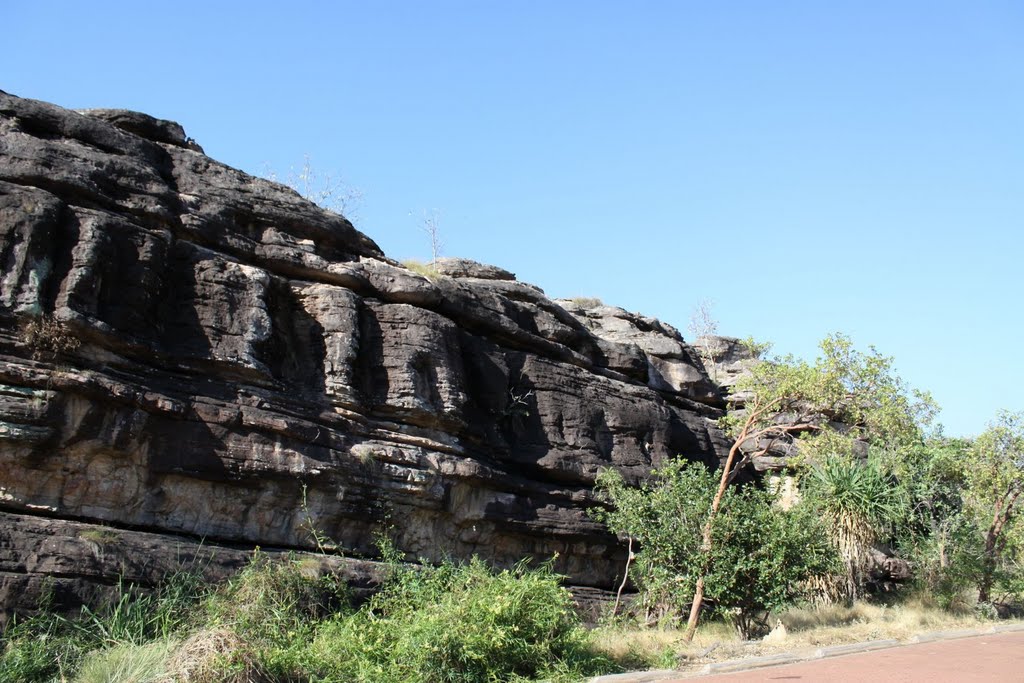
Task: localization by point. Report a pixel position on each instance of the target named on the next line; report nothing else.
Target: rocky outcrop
(189, 352)
(725, 359)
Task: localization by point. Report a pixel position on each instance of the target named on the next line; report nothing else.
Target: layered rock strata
(190, 352)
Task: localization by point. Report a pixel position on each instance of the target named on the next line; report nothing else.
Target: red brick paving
(996, 657)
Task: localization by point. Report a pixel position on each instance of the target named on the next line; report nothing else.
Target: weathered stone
(672, 365)
(246, 364)
(726, 359)
(77, 563)
(465, 268)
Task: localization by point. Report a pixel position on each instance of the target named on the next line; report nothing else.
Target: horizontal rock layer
(189, 350)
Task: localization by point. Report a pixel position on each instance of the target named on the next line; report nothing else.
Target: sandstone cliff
(195, 361)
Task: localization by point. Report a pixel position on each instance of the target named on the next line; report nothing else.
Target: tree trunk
(1003, 510)
(706, 540)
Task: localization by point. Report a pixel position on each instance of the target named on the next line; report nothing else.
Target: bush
(272, 602)
(459, 623)
(40, 649)
(48, 337)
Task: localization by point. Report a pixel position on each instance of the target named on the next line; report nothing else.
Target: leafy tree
(763, 557)
(788, 397)
(995, 476)
(939, 532)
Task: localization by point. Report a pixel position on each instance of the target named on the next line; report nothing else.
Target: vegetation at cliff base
(281, 622)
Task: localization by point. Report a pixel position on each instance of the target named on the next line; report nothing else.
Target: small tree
(328, 191)
(995, 474)
(703, 326)
(761, 562)
(431, 226)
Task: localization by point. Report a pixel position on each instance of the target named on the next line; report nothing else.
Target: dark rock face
(224, 360)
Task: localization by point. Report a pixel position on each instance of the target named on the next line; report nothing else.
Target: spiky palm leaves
(858, 501)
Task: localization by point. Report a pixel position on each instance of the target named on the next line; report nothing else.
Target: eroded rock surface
(226, 361)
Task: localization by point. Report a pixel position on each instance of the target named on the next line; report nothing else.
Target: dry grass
(806, 630)
(203, 656)
(836, 624)
(427, 270)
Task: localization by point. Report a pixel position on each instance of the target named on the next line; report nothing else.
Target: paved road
(997, 657)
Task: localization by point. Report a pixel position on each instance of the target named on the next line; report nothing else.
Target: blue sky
(809, 166)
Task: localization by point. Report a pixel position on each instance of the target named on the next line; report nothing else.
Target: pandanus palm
(858, 501)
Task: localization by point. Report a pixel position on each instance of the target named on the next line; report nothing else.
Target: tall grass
(50, 646)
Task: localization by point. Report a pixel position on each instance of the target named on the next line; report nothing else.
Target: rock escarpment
(192, 357)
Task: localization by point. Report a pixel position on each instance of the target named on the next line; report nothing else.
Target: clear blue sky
(809, 166)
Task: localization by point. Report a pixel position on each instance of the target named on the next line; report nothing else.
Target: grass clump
(587, 301)
(127, 663)
(427, 270)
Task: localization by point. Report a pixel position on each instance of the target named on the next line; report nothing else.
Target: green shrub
(273, 607)
(459, 623)
(284, 622)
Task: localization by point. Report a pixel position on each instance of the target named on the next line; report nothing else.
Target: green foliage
(283, 622)
(759, 561)
(274, 605)
(996, 466)
(995, 481)
(858, 502)
(50, 646)
(842, 384)
(458, 623)
(938, 534)
(755, 348)
(127, 663)
(40, 649)
(831, 408)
